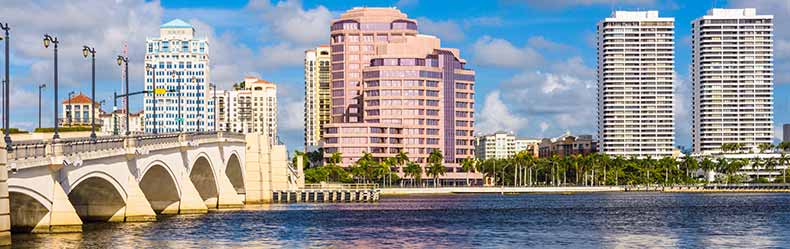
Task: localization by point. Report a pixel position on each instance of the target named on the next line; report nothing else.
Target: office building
(732, 77)
(635, 84)
(395, 90)
(176, 58)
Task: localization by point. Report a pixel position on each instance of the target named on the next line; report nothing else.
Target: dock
(329, 193)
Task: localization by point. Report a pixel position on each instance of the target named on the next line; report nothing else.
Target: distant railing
(234, 135)
(203, 135)
(341, 186)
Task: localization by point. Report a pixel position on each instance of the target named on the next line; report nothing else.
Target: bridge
(56, 185)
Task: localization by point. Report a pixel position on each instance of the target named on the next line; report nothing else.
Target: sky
(534, 59)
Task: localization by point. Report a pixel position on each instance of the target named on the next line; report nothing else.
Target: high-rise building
(732, 77)
(317, 100)
(177, 56)
(395, 90)
(635, 84)
(251, 107)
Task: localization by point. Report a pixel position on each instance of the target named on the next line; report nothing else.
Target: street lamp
(6, 115)
(69, 115)
(42, 86)
(53, 40)
(214, 97)
(125, 61)
(85, 51)
(179, 119)
(153, 72)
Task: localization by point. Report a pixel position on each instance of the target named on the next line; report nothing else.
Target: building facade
(317, 99)
(176, 58)
(395, 90)
(117, 120)
(500, 145)
(251, 107)
(567, 145)
(635, 84)
(786, 133)
(77, 111)
(732, 77)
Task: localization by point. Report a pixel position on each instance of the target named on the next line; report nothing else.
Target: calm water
(464, 221)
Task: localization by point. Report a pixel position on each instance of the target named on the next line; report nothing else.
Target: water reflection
(614, 220)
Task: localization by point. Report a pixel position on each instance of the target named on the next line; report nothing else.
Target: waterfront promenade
(710, 188)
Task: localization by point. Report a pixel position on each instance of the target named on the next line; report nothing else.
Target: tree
(335, 159)
(689, 164)
(468, 165)
(784, 146)
(414, 171)
(435, 166)
(765, 147)
(707, 165)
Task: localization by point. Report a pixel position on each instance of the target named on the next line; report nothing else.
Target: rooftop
(79, 99)
(176, 23)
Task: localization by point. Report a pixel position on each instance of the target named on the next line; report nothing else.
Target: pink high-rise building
(394, 90)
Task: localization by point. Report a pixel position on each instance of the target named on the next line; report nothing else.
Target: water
(631, 220)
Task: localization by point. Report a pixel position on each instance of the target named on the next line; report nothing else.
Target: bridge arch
(235, 173)
(160, 187)
(97, 196)
(203, 177)
(28, 208)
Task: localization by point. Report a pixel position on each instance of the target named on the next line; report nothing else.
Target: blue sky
(535, 60)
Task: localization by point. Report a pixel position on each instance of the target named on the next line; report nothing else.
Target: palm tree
(689, 164)
(784, 146)
(707, 165)
(435, 166)
(414, 170)
(468, 165)
(335, 159)
(765, 147)
(723, 165)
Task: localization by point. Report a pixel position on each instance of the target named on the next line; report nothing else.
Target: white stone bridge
(55, 185)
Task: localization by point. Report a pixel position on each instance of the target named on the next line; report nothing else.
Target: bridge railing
(341, 186)
(72, 146)
(234, 135)
(203, 135)
(28, 150)
(158, 139)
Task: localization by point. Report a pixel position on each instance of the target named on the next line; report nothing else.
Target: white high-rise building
(317, 99)
(732, 77)
(251, 107)
(498, 145)
(635, 84)
(177, 56)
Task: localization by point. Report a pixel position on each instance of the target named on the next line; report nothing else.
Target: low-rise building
(109, 120)
(77, 111)
(567, 145)
(503, 145)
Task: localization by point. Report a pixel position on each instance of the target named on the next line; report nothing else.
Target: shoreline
(561, 190)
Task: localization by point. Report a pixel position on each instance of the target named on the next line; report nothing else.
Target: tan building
(567, 145)
(77, 111)
(317, 100)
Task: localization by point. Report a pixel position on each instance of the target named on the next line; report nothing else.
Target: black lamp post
(6, 114)
(42, 86)
(85, 51)
(54, 40)
(69, 115)
(153, 73)
(125, 61)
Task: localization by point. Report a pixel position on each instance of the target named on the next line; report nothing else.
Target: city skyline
(552, 66)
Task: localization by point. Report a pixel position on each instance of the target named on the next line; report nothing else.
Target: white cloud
(447, 30)
(289, 20)
(540, 42)
(496, 116)
(489, 51)
(484, 21)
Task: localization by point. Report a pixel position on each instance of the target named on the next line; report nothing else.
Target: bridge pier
(137, 207)
(228, 198)
(62, 217)
(190, 201)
